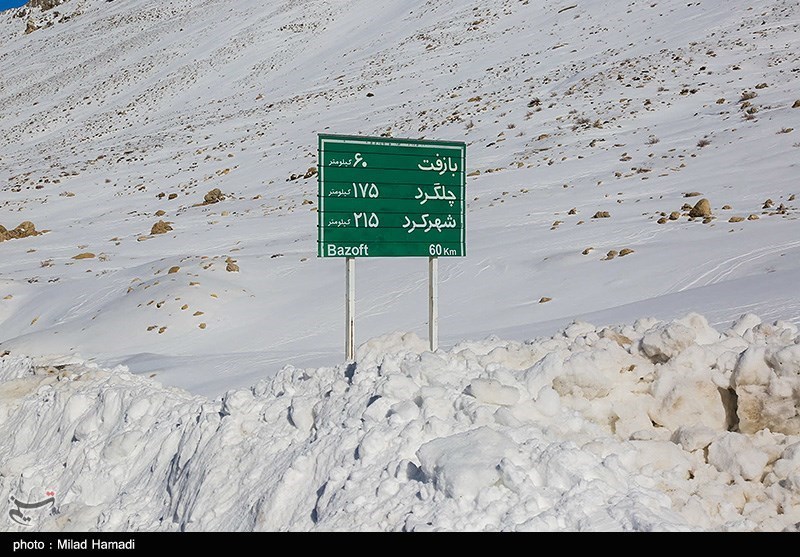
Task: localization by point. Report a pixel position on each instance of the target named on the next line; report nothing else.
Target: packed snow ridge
(654, 426)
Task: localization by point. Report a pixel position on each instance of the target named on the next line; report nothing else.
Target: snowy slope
(118, 115)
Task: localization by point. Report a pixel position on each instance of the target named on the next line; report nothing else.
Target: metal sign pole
(350, 308)
(433, 302)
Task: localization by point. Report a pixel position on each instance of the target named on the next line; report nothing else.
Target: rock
(160, 213)
(173, 270)
(85, 255)
(160, 227)
(674, 215)
(692, 194)
(213, 196)
(611, 254)
(31, 27)
(701, 209)
(586, 251)
(736, 219)
(544, 299)
(768, 203)
(753, 217)
(45, 5)
(231, 266)
(796, 104)
(625, 251)
(601, 215)
(24, 230)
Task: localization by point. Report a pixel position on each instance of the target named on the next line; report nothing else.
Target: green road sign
(387, 197)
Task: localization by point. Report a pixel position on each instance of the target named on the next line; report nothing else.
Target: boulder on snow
(161, 227)
(24, 230)
(213, 196)
(701, 209)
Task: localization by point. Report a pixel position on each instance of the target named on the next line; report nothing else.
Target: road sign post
(433, 302)
(350, 309)
(388, 197)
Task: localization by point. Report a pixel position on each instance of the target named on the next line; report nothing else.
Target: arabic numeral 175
(367, 220)
(365, 190)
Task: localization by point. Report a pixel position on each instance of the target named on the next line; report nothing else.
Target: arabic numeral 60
(367, 220)
(435, 249)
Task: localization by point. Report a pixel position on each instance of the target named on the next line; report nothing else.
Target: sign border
(323, 138)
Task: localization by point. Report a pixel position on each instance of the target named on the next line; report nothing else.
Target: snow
(581, 431)
(152, 388)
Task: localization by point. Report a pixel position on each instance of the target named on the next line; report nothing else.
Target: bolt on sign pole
(389, 197)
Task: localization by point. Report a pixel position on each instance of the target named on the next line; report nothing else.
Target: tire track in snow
(725, 268)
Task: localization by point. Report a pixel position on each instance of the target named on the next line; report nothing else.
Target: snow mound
(658, 426)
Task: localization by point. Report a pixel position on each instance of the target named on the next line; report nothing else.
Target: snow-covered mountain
(629, 164)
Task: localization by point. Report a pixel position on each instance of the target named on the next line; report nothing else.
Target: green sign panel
(386, 197)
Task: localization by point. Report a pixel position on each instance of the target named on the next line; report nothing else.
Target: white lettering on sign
(339, 223)
(426, 223)
(341, 162)
(367, 190)
(340, 192)
(347, 251)
(368, 220)
(439, 166)
(357, 160)
(439, 192)
(437, 249)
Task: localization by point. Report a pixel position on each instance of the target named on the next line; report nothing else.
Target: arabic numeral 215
(367, 220)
